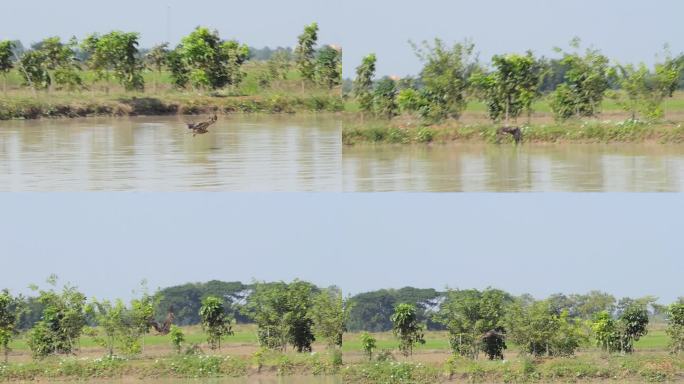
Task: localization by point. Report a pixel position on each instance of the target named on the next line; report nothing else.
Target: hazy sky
(626, 244)
(627, 30)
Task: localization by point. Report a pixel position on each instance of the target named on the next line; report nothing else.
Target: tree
(124, 328)
(10, 307)
(267, 306)
(540, 330)
(368, 345)
(177, 338)
(330, 313)
(279, 64)
(363, 83)
(60, 62)
(214, 321)
(633, 321)
(329, 66)
(679, 61)
(592, 303)
(491, 323)
(141, 317)
(116, 52)
(584, 84)
(6, 62)
(180, 73)
(235, 55)
(298, 319)
(62, 321)
(385, 98)
(282, 313)
(475, 321)
(305, 53)
(51, 63)
(156, 58)
(371, 311)
(675, 328)
(606, 332)
(34, 70)
(619, 335)
(411, 100)
(99, 58)
(206, 61)
(512, 87)
(186, 300)
(111, 319)
(406, 328)
(643, 91)
(445, 77)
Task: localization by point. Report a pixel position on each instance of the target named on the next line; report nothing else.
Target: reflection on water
(248, 153)
(506, 168)
(304, 153)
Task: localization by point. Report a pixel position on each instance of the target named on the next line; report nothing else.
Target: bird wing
(202, 125)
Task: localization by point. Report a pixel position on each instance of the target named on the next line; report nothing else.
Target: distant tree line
(575, 84)
(370, 310)
(202, 60)
(267, 53)
(298, 313)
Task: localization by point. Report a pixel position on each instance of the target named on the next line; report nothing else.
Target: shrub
(425, 135)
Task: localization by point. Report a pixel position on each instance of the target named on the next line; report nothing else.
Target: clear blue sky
(626, 244)
(627, 30)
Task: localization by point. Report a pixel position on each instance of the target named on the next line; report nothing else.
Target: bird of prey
(165, 327)
(201, 127)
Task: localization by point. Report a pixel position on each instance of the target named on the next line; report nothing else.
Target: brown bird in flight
(165, 327)
(201, 127)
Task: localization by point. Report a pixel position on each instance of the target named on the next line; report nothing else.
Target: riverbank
(85, 105)
(411, 131)
(592, 367)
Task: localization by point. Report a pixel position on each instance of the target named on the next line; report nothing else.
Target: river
(240, 153)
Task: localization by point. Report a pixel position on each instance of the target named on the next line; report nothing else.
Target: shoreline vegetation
(110, 75)
(298, 330)
(74, 106)
(579, 96)
(592, 368)
(408, 130)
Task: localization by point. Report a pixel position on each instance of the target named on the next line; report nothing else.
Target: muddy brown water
(240, 153)
(507, 168)
(304, 153)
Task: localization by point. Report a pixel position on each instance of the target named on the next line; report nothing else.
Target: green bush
(390, 373)
(425, 135)
(195, 366)
(385, 355)
(285, 366)
(398, 136)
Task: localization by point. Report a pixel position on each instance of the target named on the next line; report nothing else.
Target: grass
(193, 335)
(160, 98)
(584, 368)
(608, 105)
(245, 334)
(612, 125)
(164, 82)
(431, 363)
(410, 131)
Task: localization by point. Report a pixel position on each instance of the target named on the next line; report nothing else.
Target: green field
(163, 81)
(412, 132)
(430, 363)
(245, 335)
(671, 106)
(160, 97)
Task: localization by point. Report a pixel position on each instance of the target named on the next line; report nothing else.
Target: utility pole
(168, 24)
